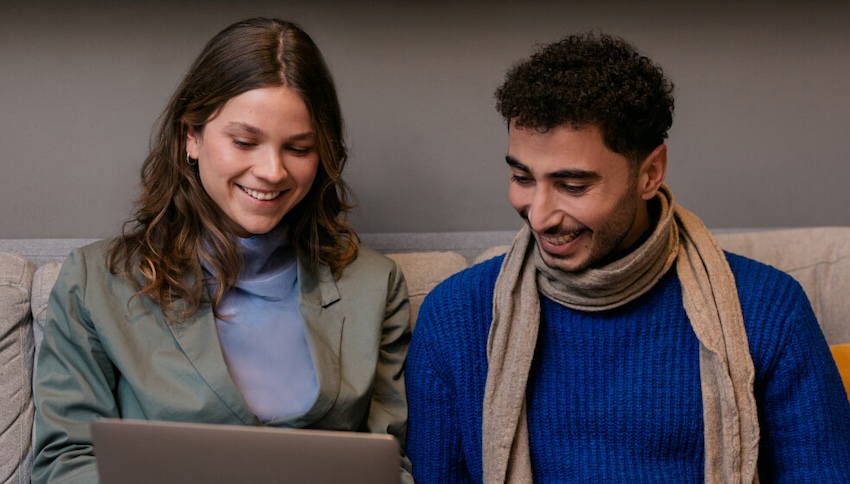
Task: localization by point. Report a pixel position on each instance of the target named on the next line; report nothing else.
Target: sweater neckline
(269, 265)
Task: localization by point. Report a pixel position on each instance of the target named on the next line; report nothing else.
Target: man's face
(579, 198)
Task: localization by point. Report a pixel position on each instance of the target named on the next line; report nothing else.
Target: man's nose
(544, 213)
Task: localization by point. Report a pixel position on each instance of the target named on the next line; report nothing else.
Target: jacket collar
(198, 338)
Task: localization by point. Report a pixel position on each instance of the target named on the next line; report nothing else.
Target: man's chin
(571, 263)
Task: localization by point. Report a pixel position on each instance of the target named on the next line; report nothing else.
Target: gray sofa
(818, 257)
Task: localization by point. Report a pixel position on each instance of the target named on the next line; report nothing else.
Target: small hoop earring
(191, 161)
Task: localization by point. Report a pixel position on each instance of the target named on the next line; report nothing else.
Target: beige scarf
(711, 302)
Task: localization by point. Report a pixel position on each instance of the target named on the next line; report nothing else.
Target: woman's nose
(270, 167)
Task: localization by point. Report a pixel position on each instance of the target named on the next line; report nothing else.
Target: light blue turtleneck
(262, 333)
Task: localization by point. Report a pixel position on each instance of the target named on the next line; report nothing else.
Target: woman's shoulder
(95, 250)
(368, 255)
(369, 260)
(368, 265)
(91, 258)
(85, 275)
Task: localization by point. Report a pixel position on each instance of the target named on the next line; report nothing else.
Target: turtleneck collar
(265, 253)
(269, 265)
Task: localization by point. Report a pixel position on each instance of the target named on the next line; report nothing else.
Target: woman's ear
(652, 172)
(193, 143)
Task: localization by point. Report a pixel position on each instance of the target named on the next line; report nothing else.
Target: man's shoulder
(767, 294)
(751, 273)
(464, 294)
(477, 279)
(454, 318)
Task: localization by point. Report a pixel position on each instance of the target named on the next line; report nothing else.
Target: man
(615, 342)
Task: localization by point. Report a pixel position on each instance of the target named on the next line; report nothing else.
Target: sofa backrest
(818, 258)
(423, 271)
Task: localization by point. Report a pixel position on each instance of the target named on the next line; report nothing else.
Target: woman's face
(257, 156)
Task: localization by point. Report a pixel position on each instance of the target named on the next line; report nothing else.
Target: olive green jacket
(107, 353)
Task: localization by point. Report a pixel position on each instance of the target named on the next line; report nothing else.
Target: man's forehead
(562, 151)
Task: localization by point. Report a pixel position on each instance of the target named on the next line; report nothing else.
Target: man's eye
(573, 189)
(521, 180)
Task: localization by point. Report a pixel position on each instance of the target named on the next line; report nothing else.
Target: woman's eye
(242, 143)
(300, 151)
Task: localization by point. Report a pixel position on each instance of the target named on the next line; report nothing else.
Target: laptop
(144, 452)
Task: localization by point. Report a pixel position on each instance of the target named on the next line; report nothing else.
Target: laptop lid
(143, 452)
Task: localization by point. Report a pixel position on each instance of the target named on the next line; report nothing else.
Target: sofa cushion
(42, 283)
(423, 271)
(16, 356)
(818, 258)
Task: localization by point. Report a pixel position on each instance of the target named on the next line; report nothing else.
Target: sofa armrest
(16, 358)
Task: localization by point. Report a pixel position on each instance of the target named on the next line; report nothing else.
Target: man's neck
(653, 212)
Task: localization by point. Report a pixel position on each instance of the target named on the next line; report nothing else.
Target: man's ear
(193, 142)
(651, 172)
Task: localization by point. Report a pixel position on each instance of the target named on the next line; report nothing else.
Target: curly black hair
(591, 79)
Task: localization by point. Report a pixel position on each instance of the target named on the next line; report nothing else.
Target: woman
(238, 294)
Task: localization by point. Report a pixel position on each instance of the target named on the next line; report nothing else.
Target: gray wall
(759, 139)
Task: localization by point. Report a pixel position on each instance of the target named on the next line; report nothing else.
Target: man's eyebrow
(514, 163)
(574, 174)
(566, 173)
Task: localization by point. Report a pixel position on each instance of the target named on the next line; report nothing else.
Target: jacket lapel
(198, 338)
(323, 327)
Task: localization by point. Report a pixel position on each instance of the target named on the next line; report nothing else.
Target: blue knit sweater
(615, 396)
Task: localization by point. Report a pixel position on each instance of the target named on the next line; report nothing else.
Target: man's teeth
(561, 239)
(261, 195)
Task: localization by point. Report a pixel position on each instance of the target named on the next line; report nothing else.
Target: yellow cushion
(841, 353)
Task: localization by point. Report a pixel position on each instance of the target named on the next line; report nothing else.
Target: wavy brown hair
(177, 225)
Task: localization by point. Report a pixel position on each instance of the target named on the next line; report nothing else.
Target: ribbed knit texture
(615, 396)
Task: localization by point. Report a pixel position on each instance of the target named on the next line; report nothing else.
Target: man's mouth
(265, 196)
(561, 239)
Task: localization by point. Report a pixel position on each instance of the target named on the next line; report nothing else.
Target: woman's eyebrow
(251, 129)
(309, 135)
(245, 126)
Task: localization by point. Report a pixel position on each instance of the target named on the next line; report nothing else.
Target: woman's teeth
(260, 195)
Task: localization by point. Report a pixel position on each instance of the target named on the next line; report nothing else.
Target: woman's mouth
(265, 196)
